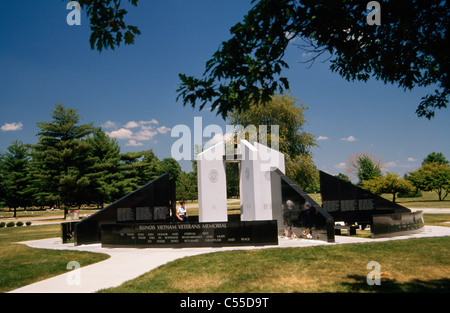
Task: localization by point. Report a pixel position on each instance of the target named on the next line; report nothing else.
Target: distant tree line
(74, 164)
(433, 175)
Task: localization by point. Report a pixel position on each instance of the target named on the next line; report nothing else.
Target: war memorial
(271, 205)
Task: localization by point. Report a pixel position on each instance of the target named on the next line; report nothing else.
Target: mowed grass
(21, 265)
(414, 265)
(429, 199)
(408, 265)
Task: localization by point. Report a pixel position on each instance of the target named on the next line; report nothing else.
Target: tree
(15, 181)
(171, 166)
(406, 49)
(390, 183)
(149, 167)
(142, 167)
(303, 172)
(187, 186)
(365, 166)
(108, 28)
(61, 156)
(343, 177)
(432, 176)
(2, 189)
(105, 172)
(294, 142)
(233, 179)
(435, 157)
(128, 167)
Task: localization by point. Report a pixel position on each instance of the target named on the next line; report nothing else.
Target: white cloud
(323, 138)
(134, 143)
(349, 138)
(411, 160)
(145, 134)
(122, 133)
(163, 129)
(152, 121)
(341, 166)
(12, 126)
(109, 125)
(390, 164)
(131, 124)
(136, 132)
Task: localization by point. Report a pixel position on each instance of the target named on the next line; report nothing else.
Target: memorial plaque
(125, 215)
(144, 214)
(351, 204)
(299, 212)
(190, 234)
(152, 202)
(161, 213)
(394, 224)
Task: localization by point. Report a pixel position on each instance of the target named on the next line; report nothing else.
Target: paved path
(129, 263)
(431, 210)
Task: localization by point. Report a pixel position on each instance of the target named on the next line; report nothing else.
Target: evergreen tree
(15, 181)
(187, 186)
(148, 167)
(365, 166)
(105, 173)
(367, 169)
(139, 168)
(2, 190)
(128, 166)
(171, 166)
(62, 160)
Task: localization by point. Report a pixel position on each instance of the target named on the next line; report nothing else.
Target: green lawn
(414, 265)
(408, 265)
(21, 265)
(429, 199)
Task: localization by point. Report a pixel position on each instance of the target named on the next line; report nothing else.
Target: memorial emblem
(247, 173)
(213, 176)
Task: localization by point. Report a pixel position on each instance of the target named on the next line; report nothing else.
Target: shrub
(19, 223)
(10, 224)
(2, 224)
(28, 223)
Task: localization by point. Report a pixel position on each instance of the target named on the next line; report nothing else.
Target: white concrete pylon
(256, 162)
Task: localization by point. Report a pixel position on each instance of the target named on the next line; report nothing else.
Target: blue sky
(131, 91)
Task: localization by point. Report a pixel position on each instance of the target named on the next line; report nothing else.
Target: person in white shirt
(181, 212)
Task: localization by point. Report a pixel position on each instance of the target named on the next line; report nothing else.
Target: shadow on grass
(359, 284)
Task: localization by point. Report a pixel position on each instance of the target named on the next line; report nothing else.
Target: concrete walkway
(128, 263)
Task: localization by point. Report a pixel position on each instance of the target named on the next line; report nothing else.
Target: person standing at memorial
(182, 213)
(307, 223)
